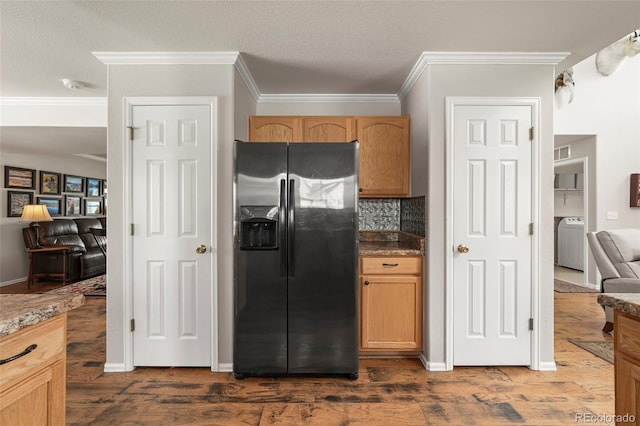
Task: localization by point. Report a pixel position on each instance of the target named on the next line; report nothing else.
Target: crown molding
(54, 101)
(275, 98)
(167, 58)
(244, 72)
(480, 58)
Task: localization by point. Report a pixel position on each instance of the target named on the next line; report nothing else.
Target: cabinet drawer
(627, 335)
(49, 336)
(390, 265)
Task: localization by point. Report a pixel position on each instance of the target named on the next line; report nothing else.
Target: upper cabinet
(385, 156)
(328, 129)
(275, 129)
(385, 147)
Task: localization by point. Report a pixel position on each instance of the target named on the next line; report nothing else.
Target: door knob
(201, 249)
(462, 248)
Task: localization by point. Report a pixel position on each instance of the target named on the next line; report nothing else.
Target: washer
(571, 243)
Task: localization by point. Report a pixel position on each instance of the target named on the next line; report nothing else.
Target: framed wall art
(54, 205)
(17, 177)
(72, 205)
(94, 187)
(16, 200)
(50, 183)
(73, 183)
(92, 207)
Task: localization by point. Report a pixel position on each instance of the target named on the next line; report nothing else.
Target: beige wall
(328, 108)
(167, 80)
(13, 259)
(426, 105)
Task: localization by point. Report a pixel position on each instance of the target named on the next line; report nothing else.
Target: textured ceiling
(289, 47)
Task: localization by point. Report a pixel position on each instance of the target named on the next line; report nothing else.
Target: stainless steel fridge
(296, 259)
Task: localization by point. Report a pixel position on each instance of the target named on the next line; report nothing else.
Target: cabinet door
(391, 312)
(38, 400)
(267, 128)
(627, 387)
(385, 156)
(328, 129)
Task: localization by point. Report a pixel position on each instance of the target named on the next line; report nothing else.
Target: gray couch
(617, 255)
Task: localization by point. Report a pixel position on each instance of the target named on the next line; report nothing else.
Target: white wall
(609, 108)
(13, 259)
(426, 105)
(167, 80)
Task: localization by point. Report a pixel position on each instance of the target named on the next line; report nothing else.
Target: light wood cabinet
(275, 129)
(33, 386)
(385, 145)
(627, 367)
(390, 304)
(328, 129)
(385, 156)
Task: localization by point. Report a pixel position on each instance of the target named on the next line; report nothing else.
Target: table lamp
(35, 213)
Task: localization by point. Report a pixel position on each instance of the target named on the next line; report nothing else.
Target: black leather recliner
(86, 259)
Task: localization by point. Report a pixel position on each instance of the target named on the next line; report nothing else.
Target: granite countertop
(390, 243)
(22, 310)
(628, 303)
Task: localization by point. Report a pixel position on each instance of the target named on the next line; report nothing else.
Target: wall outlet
(612, 215)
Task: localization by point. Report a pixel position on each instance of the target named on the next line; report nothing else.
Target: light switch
(612, 215)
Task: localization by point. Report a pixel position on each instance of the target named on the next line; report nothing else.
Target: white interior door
(172, 238)
(492, 245)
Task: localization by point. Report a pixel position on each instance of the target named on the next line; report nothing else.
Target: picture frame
(94, 187)
(72, 205)
(54, 205)
(92, 207)
(104, 187)
(73, 183)
(16, 200)
(50, 182)
(18, 177)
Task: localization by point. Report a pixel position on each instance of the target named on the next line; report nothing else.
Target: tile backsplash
(392, 214)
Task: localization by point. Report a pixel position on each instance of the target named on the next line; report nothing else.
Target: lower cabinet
(33, 386)
(390, 304)
(627, 368)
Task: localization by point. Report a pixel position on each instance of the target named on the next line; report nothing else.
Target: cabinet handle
(390, 264)
(29, 349)
(366, 283)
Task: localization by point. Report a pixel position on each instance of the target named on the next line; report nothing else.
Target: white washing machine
(571, 238)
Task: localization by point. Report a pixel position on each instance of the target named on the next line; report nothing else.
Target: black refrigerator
(296, 259)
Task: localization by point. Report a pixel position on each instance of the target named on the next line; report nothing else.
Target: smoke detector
(72, 84)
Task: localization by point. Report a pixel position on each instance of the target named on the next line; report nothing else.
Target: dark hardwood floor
(388, 392)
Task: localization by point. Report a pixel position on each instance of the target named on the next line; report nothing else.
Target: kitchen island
(33, 336)
(626, 323)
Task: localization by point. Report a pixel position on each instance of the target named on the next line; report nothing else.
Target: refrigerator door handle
(282, 223)
(291, 230)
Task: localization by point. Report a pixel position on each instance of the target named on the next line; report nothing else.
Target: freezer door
(323, 247)
(260, 299)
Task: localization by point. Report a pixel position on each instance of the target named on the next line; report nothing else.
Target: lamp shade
(35, 213)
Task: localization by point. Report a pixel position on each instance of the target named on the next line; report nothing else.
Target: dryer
(571, 238)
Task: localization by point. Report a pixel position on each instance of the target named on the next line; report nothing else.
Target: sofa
(617, 256)
(87, 257)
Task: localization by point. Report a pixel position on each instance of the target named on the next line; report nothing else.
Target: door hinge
(131, 128)
(530, 133)
(532, 228)
(133, 325)
(132, 229)
(530, 324)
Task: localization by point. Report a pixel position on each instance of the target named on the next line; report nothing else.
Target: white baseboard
(225, 367)
(432, 366)
(16, 281)
(548, 366)
(114, 368)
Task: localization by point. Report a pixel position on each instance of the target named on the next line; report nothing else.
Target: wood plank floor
(388, 392)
